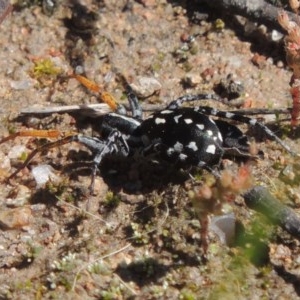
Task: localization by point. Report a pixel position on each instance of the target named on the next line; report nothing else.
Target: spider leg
(47, 146)
(242, 119)
(175, 104)
(135, 107)
(109, 99)
(32, 133)
(104, 96)
(233, 137)
(115, 143)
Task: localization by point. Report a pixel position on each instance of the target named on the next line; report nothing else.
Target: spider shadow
(126, 174)
(150, 270)
(146, 271)
(143, 271)
(143, 177)
(134, 176)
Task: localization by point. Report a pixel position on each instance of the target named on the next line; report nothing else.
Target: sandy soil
(138, 237)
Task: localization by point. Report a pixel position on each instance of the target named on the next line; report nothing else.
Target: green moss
(187, 295)
(58, 189)
(11, 128)
(139, 236)
(67, 263)
(67, 283)
(157, 62)
(35, 250)
(45, 67)
(69, 198)
(45, 71)
(23, 156)
(107, 295)
(156, 66)
(24, 285)
(161, 56)
(111, 200)
(99, 267)
(194, 49)
(187, 66)
(219, 25)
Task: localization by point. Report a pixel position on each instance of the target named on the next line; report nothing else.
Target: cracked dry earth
(138, 237)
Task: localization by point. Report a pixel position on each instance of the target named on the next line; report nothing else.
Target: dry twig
(254, 10)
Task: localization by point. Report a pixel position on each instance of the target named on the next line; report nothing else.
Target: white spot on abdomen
(188, 121)
(211, 149)
(193, 146)
(182, 156)
(176, 118)
(200, 126)
(159, 121)
(178, 147)
(170, 151)
(220, 136)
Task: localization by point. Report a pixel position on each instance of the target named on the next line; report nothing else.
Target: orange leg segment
(33, 133)
(104, 96)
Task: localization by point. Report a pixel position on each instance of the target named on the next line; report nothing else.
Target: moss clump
(111, 200)
(45, 71)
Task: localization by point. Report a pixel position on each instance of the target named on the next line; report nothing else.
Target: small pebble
(20, 84)
(146, 86)
(276, 36)
(16, 151)
(19, 196)
(192, 79)
(4, 162)
(42, 174)
(15, 217)
(288, 173)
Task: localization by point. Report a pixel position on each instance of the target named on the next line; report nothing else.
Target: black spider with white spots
(183, 136)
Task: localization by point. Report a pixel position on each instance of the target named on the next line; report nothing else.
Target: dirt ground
(138, 237)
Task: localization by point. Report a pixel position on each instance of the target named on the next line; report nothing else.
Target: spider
(182, 136)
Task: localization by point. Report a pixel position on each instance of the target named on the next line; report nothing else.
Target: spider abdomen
(182, 136)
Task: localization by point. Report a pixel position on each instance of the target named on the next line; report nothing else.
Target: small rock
(259, 60)
(146, 86)
(18, 196)
(16, 151)
(42, 174)
(280, 255)
(276, 36)
(4, 162)
(288, 174)
(192, 79)
(15, 218)
(20, 84)
(229, 88)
